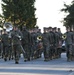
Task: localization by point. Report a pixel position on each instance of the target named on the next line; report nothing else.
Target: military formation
(52, 43)
(32, 43)
(17, 42)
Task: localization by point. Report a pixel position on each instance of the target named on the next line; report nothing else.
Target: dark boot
(16, 62)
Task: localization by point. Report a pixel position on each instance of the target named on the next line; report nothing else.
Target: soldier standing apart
(16, 36)
(68, 42)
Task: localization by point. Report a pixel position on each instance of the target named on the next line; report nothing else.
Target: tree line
(19, 12)
(68, 20)
(22, 12)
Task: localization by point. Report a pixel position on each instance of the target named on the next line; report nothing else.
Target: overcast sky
(48, 13)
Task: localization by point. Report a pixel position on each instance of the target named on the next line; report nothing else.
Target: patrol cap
(44, 28)
(53, 28)
(50, 27)
(58, 28)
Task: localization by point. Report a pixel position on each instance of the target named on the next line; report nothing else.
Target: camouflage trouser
(16, 49)
(0, 49)
(69, 51)
(40, 49)
(27, 53)
(10, 52)
(5, 52)
(46, 51)
(36, 51)
(32, 51)
(59, 52)
(51, 51)
(73, 50)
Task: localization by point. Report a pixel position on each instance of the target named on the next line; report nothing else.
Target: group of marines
(32, 43)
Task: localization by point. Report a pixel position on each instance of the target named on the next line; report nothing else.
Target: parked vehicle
(63, 46)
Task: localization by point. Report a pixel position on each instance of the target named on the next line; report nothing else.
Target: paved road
(37, 67)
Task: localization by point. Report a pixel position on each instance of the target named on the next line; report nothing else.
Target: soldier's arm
(20, 34)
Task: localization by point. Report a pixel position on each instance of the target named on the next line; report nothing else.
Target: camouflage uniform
(40, 45)
(26, 44)
(16, 41)
(31, 45)
(56, 41)
(10, 46)
(5, 41)
(60, 44)
(68, 42)
(73, 45)
(51, 53)
(35, 43)
(0, 46)
(46, 44)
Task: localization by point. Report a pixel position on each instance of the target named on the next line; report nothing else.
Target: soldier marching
(32, 43)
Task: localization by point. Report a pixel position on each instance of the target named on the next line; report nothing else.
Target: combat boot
(46, 59)
(69, 59)
(25, 59)
(5, 59)
(28, 59)
(16, 62)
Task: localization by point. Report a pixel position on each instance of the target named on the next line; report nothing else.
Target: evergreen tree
(69, 19)
(19, 12)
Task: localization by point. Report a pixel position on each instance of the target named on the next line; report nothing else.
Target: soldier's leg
(3, 52)
(50, 53)
(58, 51)
(67, 53)
(44, 52)
(70, 51)
(73, 52)
(31, 55)
(16, 54)
(26, 52)
(6, 53)
(29, 52)
(53, 52)
(47, 53)
(10, 52)
(35, 51)
(0, 49)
